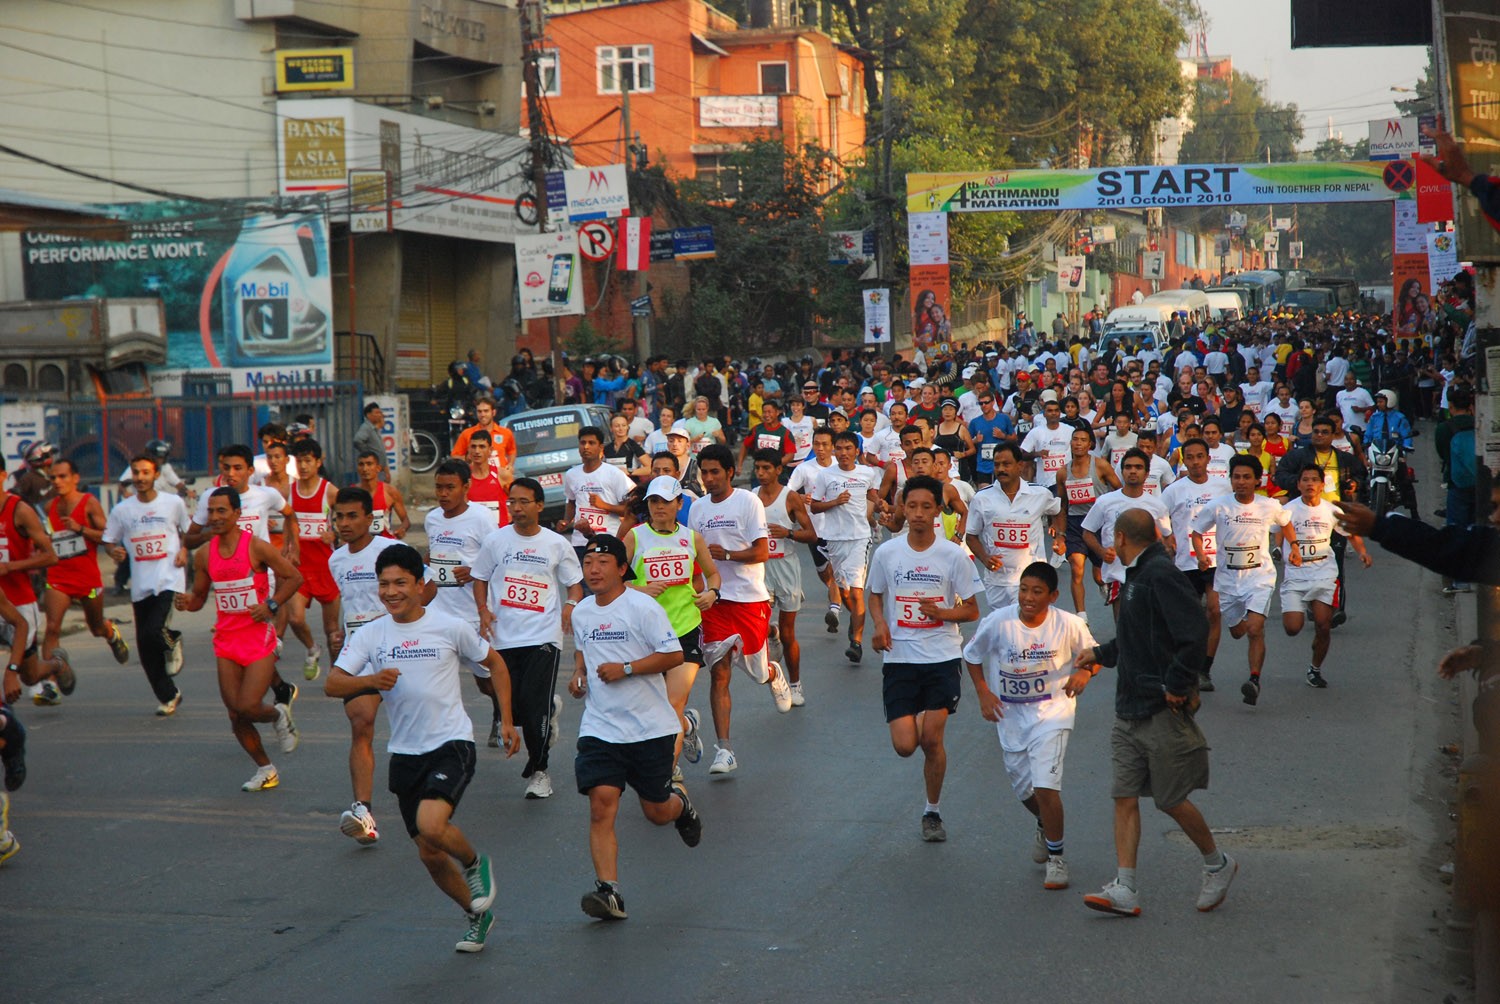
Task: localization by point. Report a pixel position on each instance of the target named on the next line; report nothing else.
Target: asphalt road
(147, 875)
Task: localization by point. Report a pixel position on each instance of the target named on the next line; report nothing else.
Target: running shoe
(855, 652)
(175, 657)
(797, 699)
(481, 884)
(1315, 678)
(1205, 683)
(692, 741)
(14, 756)
(604, 903)
(781, 691)
(1057, 874)
(9, 845)
(1250, 691)
(553, 721)
(1216, 884)
(689, 824)
(932, 828)
(1115, 897)
(1454, 588)
(358, 822)
(265, 777)
(831, 618)
(310, 668)
(724, 761)
(540, 786)
(494, 733)
(677, 776)
(1339, 617)
(118, 646)
(170, 707)
(4, 812)
(286, 729)
(283, 692)
(46, 695)
(67, 680)
(1039, 847)
(479, 929)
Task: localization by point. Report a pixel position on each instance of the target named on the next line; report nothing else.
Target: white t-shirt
(1337, 367)
(151, 533)
(850, 521)
(359, 587)
(905, 577)
(452, 544)
(1218, 460)
(1100, 521)
(1051, 447)
(426, 706)
(258, 503)
(968, 406)
(1315, 526)
(804, 481)
(1288, 412)
(1026, 668)
(1015, 529)
(528, 580)
(1353, 404)
(1244, 547)
(1158, 475)
(1216, 363)
(607, 481)
(1115, 447)
(1185, 499)
(734, 524)
(1256, 395)
(631, 627)
(802, 434)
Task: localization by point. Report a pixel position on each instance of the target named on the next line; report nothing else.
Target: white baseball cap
(679, 429)
(664, 487)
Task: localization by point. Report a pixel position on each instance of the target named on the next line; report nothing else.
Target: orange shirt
(503, 442)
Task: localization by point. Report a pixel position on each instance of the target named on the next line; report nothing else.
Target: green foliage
(1233, 123)
(585, 340)
(1346, 239)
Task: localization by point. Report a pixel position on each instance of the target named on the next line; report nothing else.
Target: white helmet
(1390, 398)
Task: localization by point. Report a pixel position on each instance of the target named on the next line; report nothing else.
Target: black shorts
(692, 646)
(441, 773)
(819, 550)
(367, 692)
(645, 766)
(910, 688)
(1202, 579)
(1075, 539)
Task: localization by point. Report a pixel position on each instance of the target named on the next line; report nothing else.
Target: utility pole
(642, 324)
(536, 121)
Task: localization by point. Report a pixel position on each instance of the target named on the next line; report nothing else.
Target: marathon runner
(389, 519)
(76, 521)
(1309, 588)
(1185, 499)
(1098, 523)
(595, 492)
(1048, 443)
(804, 481)
(486, 484)
(1084, 479)
(1008, 523)
(787, 521)
(848, 498)
(1219, 452)
(26, 548)
(312, 501)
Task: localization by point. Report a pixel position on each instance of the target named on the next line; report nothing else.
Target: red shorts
(76, 577)
(317, 582)
(750, 620)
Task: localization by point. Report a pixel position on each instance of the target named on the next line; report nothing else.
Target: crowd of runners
(1031, 490)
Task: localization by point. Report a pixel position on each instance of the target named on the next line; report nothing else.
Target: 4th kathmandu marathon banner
(1178, 185)
(247, 294)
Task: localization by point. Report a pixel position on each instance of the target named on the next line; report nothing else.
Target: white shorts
(784, 583)
(850, 562)
(999, 592)
(1235, 605)
(33, 618)
(1039, 765)
(1301, 596)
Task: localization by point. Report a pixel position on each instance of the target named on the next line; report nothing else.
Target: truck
(1324, 295)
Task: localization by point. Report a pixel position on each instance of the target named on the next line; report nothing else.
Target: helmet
(1390, 397)
(298, 429)
(40, 452)
(517, 360)
(158, 448)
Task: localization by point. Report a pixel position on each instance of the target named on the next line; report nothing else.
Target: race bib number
(378, 524)
(1080, 492)
(520, 591)
(311, 526)
(445, 568)
(149, 547)
(1023, 688)
(1210, 544)
(1052, 462)
(1116, 455)
(1012, 535)
(355, 621)
(909, 610)
(1218, 468)
(764, 442)
(670, 568)
(4, 550)
(597, 519)
(1242, 557)
(1313, 550)
(987, 452)
(251, 524)
(777, 549)
(236, 596)
(68, 544)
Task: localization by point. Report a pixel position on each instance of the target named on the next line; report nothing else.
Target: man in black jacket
(1156, 747)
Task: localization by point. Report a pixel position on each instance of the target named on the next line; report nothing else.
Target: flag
(633, 249)
(1434, 195)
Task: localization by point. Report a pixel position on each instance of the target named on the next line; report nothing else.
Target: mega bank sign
(1150, 187)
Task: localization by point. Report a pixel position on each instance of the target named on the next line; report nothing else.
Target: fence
(334, 406)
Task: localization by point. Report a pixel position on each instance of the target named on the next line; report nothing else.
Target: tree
(1233, 123)
(1347, 239)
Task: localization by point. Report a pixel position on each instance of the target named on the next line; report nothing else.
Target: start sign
(596, 241)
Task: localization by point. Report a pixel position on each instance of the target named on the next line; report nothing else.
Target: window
(549, 69)
(846, 98)
(625, 67)
(715, 171)
(16, 377)
(773, 78)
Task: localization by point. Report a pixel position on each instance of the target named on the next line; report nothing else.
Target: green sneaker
(479, 929)
(481, 886)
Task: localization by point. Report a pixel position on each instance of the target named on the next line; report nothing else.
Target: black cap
(604, 543)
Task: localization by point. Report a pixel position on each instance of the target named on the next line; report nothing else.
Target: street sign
(596, 240)
(661, 245)
(641, 306)
(690, 243)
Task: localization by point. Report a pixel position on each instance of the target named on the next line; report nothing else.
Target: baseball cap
(918, 382)
(970, 370)
(679, 429)
(604, 543)
(1023, 375)
(664, 487)
(1048, 395)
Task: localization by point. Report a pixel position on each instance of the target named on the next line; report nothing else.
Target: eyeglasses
(515, 501)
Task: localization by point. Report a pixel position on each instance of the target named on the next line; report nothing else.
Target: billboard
(548, 276)
(247, 293)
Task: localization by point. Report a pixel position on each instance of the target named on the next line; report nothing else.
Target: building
(234, 124)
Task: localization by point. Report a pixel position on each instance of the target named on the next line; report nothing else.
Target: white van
(1225, 305)
(1192, 302)
(1138, 316)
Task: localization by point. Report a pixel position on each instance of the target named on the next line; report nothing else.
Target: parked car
(547, 445)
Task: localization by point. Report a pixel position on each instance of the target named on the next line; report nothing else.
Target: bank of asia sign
(1140, 187)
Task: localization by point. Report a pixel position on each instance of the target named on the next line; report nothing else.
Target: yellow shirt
(1329, 461)
(1282, 351)
(754, 407)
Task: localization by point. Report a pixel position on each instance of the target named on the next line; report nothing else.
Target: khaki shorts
(1164, 757)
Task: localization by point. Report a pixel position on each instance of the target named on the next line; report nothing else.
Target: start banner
(1175, 185)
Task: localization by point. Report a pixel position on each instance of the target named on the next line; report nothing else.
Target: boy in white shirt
(1309, 588)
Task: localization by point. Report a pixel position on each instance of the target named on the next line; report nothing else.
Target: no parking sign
(596, 241)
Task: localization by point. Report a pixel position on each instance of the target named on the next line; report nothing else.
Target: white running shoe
(1057, 874)
(540, 786)
(286, 729)
(310, 666)
(692, 739)
(359, 823)
(781, 691)
(175, 658)
(724, 762)
(797, 699)
(264, 778)
(1039, 848)
(169, 707)
(1115, 897)
(677, 777)
(1216, 884)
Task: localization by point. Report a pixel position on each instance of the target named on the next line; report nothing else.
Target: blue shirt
(1388, 426)
(989, 431)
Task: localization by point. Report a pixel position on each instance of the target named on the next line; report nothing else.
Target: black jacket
(1160, 639)
(1465, 553)
(1351, 471)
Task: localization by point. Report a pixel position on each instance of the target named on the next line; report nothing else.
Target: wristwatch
(629, 669)
(272, 606)
(717, 595)
(13, 668)
(570, 602)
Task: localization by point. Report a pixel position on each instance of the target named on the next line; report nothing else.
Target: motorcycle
(1386, 465)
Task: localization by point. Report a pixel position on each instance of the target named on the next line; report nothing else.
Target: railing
(357, 356)
(335, 407)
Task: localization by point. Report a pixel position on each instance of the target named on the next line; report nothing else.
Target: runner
(19, 635)
(1048, 443)
(667, 561)
(352, 569)
(931, 588)
(1159, 475)
(787, 520)
(312, 501)
(847, 496)
(26, 548)
(536, 586)
(1007, 525)
(1245, 578)
(486, 485)
(623, 643)
(1308, 588)
(235, 565)
(1219, 452)
(1022, 661)
(456, 531)
(595, 492)
(146, 531)
(770, 434)
(735, 628)
(411, 657)
(1084, 479)
(804, 481)
(76, 521)
(1184, 499)
(988, 429)
(1098, 524)
(390, 519)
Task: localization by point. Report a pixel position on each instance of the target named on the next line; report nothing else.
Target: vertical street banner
(633, 248)
(877, 316)
(1442, 259)
(1070, 273)
(1153, 265)
(548, 274)
(1409, 273)
(931, 293)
